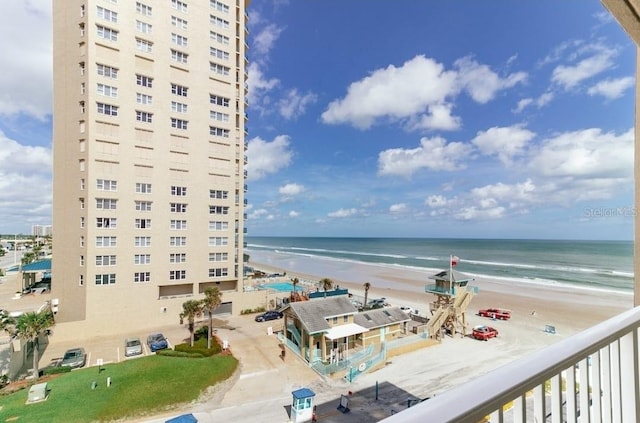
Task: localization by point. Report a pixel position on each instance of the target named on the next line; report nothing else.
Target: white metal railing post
(616, 402)
(570, 394)
(605, 358)
(539, 413)
(629, 376)
(556, 398)
(596, 388)
(520, 409)
(583, 394)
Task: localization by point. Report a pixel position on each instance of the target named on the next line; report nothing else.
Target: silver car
(74, 358)
(132, 346)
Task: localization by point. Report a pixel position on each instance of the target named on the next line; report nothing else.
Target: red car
(484, 333)
(495, 313)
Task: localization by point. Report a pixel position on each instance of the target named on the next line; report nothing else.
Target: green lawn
(138, 386)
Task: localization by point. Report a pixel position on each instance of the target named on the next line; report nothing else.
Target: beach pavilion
(29, 273)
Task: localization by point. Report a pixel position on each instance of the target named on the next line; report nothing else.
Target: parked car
(407, 309)
(132, 346)
(495, 313)
(269, 315)
(74, 358)
(157, 341)
(484, 333)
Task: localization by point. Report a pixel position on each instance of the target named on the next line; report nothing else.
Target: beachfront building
(149, 131)
(453, 295)
(331, 331)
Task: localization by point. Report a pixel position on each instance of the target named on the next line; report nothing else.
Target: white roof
(345, 330)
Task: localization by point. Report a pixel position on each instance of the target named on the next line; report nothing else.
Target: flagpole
(450, 272)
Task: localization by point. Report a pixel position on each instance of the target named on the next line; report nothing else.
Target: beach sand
(429, 371)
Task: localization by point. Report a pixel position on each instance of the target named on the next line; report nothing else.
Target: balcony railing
(592, 376)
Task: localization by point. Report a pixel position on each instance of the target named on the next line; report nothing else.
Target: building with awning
(331, 329)
(29, 272)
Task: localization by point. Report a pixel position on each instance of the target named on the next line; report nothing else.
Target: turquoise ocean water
(606, 265)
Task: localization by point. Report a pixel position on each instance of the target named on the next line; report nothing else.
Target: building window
(218, 241)
(143, 241)
(81, 260)
(143, 188)
(82, 10)
(81, 164)
(218, 210)
(218, 272)
(144, 116)
(107, 90)
(218, 226)
(218, 194)
(177, 275)
(107, 15)
(219, 38)
(178, 241)
(177, 258)
(81, 203)
(218, 132)
(141, 277)
(143, 9)
(106, 222)
(107, 71)
(179, 123)
(219, 69)
(178, 208)
(106, 279)
(106, 260)
(83, 109)
(106, 185)
(219, 54)
(144, 98)
(143, 27)
(178, 22)
(144, 81)
(178, 107)
(218, 101)
(220, 117)
(143, 205)
(105, 241)
(82, 240)
(107, 33)
(219, 22)
(143, 223)
(179, 5)
(179, 90)
(219, 6)
(178, 191)
(179, 40)
(83, 90)
(81, 280)
(106, 203)
(180, 225)
(107, 109)
(178, 56)
(218, 256)
(81, 221)
(142, 259)
(144, 45)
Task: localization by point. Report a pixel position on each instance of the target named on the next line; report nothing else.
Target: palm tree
(367, 285)
(29, 327)
(191, 310)
(28, 257)
(326, 284)
(212, 300)
(295, 282)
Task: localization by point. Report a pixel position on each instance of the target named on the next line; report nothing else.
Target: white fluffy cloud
(418, 94)
(599, 58)
(432, 154)
(265, 39)
(504, 142)
(612, 88)
(290, 190)
(342, 213)
(294, 104)
(25, 42)
(266, 157)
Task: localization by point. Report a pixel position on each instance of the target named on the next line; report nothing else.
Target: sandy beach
(432, 370)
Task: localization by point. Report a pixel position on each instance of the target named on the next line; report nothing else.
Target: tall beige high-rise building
(149, 159)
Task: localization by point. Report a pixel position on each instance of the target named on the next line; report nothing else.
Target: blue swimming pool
(282, 286)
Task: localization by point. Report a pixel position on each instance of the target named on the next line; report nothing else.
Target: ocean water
(603, 265)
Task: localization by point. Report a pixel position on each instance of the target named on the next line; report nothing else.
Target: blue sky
(405, 118)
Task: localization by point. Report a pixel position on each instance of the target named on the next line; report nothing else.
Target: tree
(326, 284)
(191, 310)
(212, 300)
(367, 285)
(28, 257)
(29, 326)
(295, 282)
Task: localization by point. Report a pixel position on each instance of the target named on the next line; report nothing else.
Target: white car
(407, 309)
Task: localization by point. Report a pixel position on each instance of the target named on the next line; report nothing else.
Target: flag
(454, 260)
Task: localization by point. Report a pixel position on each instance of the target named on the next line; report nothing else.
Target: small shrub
(182, 354)
(56, 370)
